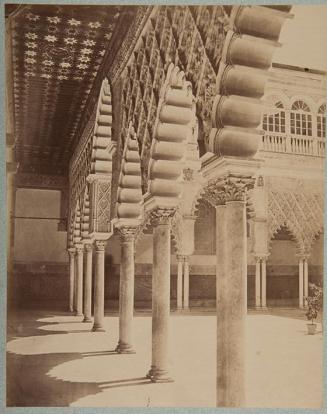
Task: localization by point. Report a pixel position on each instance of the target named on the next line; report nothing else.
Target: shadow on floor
(28, 382)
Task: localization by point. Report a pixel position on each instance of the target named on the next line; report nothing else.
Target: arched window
(275, 122)
(321, 121)
(301, 119)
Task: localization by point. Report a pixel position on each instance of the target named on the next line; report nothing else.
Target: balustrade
(293, 144)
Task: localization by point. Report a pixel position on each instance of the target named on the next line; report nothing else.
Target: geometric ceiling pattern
(56, 54)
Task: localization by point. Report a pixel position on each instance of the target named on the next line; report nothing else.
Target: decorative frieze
(41, 181)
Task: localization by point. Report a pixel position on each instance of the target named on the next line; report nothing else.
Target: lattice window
(275, 122)
(301, 119)
(321, 121)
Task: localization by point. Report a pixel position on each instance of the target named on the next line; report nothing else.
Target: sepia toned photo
(165, 205)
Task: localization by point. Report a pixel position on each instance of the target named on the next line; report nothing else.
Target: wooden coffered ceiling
(56, 52)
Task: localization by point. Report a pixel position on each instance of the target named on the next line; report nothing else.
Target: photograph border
(3, 241)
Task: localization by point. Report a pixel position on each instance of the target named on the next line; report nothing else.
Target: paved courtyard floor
(54, 360)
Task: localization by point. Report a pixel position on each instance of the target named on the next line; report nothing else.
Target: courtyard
(55, 360)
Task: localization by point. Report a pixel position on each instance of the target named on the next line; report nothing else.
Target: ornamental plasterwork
(190, 37)
(301, 212)
(177, 229)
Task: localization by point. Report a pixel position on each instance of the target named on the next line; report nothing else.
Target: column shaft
(221, 290)
(186, 283)
(301, 292)
(126, 296)
(231, 304)
(71, 279)
(263, 282)
(88, 283)
(179, 282)
(258, 283)
(10, 198)
(160, 302)
(79, 281)
(305, 279)
(99, 287)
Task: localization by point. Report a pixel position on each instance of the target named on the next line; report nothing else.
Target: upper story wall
(294, 114)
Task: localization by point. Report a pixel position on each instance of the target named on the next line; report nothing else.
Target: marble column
(11, 169)
(79, 280)
(186, 283)
(258, 282)
(301, 284)
(71, 253)
(87, 283)
(231, 303)
(126, 291)
(180, 260)
(264, 282)
(161, 222)
(10, 198)
(98, 325)
(305, 279)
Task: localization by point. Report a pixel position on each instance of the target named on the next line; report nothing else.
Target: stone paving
(54, 360)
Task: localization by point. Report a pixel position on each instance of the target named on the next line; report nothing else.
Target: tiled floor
(54, 360)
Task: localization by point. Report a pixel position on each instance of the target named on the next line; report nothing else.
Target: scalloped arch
(129, 194)
(174, 128)
(101, 157)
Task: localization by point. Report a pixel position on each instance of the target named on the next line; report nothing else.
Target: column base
(159, 375)
(98, 328)
(261, 308)
(123, 348)
(87, 319)
(77, 313)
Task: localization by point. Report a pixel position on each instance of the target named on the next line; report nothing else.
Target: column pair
(80, 279)
(260, 282)
(303, 281)
(76, 268)
(76, 277)
(183, 282)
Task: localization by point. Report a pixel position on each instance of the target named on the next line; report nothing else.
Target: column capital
(88, 247)
(100, 245)
(71, 251)
(127, 233)
(180, 257)
(79, 248)
(261, 256)
(161, 216)
(302, 255)
(222, 190)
